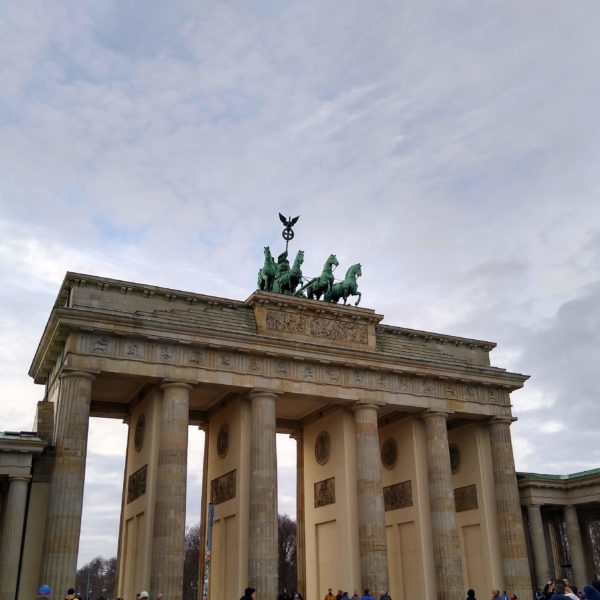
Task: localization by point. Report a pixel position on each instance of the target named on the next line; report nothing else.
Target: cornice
(66, 320)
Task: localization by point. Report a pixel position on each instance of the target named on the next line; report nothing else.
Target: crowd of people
(555, 589)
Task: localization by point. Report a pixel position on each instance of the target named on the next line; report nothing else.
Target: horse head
(300, 257)
(332, 261)
(354, 270)
(267, 252)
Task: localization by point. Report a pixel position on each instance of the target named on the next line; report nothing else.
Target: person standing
(43, 592)
(367, 596)
(329, 595)
(471, 595)
(249, 594)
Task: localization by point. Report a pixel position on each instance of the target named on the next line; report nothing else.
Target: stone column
(444, 525)
(513, 550)
(12, 535)
(575, 546)
(63, 520)
(203, 509)
(300, 523)
(169, 507)
(538, 546)
(262, 527)
(371, 512)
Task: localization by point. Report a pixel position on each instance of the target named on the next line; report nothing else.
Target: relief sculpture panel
(398, 495)
(465, 498)
(325, 492)
(136, 484)
(223, 488)
(329, 329)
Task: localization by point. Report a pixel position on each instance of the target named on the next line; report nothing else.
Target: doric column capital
(66, 373)
(25, 478)
(365, 406)
(433, 413)
(165, 385)
(261, 393)
(500, 420)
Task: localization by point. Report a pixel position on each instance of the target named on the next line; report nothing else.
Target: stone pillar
(63, 521)
(371, 512)
(12, 535)
(203, 509)
(513, 550)
(169, 508)
(538, 546)
(444, 525)
(575, 547)
(262, 527)
(300, 522)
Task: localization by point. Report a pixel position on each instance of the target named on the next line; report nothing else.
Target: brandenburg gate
(405, 472)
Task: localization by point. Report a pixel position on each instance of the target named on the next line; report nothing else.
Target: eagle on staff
(288, 233)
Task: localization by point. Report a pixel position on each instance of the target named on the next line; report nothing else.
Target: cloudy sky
(452, 148)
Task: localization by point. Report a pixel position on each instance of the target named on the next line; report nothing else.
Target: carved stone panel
(223, 440)
(325, 492)
(138, 436)
(318, 327)
(196, 357)
(389, 453)
(398, 495)
(465, 498)
(136, 485)
(223, 488)
(101, 344)
(322, 448)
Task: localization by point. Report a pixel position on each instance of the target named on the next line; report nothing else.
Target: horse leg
(359, 297)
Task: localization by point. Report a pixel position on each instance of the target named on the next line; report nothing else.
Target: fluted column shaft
(444, 524)
(372, 541)
(515, 565)
(538, 545)
(575, 546)
(262, 528)
(300, 522)
(169, 509)
(63, 521)
(203, 507)
(12, 535)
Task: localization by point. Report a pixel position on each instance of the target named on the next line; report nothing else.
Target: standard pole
(209, 528)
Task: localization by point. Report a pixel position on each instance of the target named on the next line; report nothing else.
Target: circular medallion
(454, 458)
(389, 453)
(138, 437)
(223, 440)
(322, 447)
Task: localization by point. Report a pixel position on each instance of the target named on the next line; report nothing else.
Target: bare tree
(100, 574)
(287, 553)
(190, 563)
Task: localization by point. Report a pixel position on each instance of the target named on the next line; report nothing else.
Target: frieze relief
(465, 498)
(223, 488)
(325, 492)
(136, 484)
(319, 327)
(215, 358)
(397, 496)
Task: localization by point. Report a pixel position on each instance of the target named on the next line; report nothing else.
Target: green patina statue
(288, 280)
(266, 275)
(320, 285)
(281, 279)
(345, 288)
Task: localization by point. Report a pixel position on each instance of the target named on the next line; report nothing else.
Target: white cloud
(451, 149)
